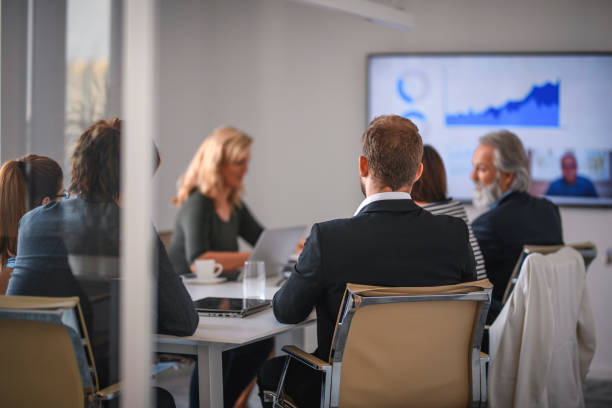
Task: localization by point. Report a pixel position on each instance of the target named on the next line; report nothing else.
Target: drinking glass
(254, 280)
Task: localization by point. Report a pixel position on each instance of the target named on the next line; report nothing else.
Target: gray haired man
(514, 217)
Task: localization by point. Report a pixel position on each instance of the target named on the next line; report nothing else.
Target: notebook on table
(230, 307)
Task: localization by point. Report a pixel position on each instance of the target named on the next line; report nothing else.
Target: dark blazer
(390, 243)
(518, 219)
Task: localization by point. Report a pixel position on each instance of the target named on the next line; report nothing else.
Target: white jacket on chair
(543, 341)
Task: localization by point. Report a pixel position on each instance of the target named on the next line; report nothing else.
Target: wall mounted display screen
(558, 104)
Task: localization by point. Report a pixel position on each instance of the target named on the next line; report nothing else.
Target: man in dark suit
(515, 218)
(389, 241)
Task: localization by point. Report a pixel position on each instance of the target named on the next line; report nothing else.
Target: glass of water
(254, 280)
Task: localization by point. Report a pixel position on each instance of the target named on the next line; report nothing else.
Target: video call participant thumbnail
(571, 184)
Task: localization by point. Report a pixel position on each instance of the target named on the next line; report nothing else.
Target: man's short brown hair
(393, 148)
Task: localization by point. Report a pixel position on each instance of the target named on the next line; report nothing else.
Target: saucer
(212, 281)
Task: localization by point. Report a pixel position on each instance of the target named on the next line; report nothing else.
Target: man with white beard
(514, 218)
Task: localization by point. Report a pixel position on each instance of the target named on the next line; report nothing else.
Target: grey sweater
(199, 229)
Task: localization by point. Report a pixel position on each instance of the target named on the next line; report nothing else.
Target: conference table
(214, 335)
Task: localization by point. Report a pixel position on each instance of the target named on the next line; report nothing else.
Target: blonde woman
(211, 218)
(212, 215)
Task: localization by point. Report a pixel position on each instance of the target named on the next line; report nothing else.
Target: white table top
(232, 330)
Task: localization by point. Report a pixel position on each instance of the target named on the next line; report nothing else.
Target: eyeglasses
(64, 194)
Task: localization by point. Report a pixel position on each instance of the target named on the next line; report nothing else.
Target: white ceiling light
(370, 10)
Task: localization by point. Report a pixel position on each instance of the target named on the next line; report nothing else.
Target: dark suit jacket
(518, 219)
(390, 243)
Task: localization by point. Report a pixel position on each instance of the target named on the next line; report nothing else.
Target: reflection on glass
(87, 66)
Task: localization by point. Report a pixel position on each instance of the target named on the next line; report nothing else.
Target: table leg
(210, 372)
(293, 337)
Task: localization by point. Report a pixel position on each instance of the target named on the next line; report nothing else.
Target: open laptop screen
(275, 246)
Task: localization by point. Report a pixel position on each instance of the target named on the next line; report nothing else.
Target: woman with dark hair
(429, 192)
(25, 184)
(65, 244)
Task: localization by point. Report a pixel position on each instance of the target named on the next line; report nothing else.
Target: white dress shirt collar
(391, 195)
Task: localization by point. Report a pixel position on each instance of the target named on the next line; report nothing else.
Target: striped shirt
(455, 209)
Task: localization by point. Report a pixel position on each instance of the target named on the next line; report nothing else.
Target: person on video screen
(571, 184)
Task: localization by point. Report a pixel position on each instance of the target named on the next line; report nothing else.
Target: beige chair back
(39, 367)
(45, 359)
(587, 250)
(410, 347)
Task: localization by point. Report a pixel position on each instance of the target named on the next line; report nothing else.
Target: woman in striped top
(429, 192)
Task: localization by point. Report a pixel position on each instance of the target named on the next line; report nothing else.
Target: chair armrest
(306, 358)
(108, 393)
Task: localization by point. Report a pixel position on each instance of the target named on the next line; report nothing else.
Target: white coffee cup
(207, 269)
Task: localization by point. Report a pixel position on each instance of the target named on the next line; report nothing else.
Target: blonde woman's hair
(224, 145)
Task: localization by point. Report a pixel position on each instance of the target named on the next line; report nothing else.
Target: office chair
(588, 250)
(45, 355)
(403, 347)
(542, 342)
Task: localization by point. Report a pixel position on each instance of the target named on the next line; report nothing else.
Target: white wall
(293, 76)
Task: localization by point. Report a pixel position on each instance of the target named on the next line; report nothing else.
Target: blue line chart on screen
(539, 108)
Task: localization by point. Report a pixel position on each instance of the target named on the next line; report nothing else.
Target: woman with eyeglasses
(25, 183)
(71, 247)
(211, 217)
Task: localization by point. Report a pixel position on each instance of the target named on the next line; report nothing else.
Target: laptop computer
(229, 307)
(275, 246)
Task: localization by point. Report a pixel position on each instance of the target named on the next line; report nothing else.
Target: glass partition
(63, 180)
(88, 34)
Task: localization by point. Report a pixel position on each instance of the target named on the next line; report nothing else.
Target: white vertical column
(138, 102)
(13, 60)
